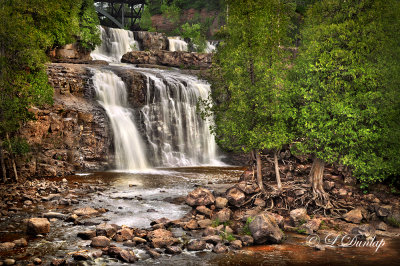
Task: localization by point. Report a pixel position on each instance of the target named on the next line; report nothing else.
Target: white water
(177, 44)
(177, 134)
(112, 95)
(211, 47)
(114, 44)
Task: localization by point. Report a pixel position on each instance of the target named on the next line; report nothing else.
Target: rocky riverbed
(170, 216)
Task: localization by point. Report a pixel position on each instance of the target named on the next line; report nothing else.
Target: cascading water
(177, 44)
(112, 95)
(114, 44)
(177, 134)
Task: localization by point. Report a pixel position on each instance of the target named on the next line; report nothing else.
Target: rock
(248, 187)
(161, 238)
(200, 196)
(209, 231)
(220, 248)
(220, 202)
(7, 246)
(319, 247)
(264, 229)
(311, 226)
(38, 226)
(259, 202)
(299, 216)
(154, 254)
(139, 240)
(381, 226)
(127, 256)
(20, 242)
(80, 256)
(228, 230)
(56, 215)
(51, 197)
(167, 58)
(100, 241)
(236, 244)
(383, 210)
(224, 215)
(106, 230)
(328, 185)
(204, 223)
(125, 234)
(173, 250)
(342, 192)
(72, 218)
(204, 210)
(9, 262)
(191, 225)
(354, 216)
(87, 235)
(235, 197)
(87, 211)
(153, 41)
(363, 232)
(58, 262)
(97, 254)
(214, 239)
(247, 240)
(196, 245)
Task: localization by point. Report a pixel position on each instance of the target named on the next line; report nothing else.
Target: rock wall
(73, 134)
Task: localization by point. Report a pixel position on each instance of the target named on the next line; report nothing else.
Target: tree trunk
(12, 158)
(259, 174)
(277, 174)
(316, 179)
(3, 166)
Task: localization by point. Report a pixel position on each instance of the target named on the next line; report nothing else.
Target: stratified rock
(196, 245)
(220, 202)
(235, 197)
(224, 215)
(38, 226)
(264, 229)
(299, 216)
(161, 238)
(200, 196)
(100, 241)
(354, 216)
(220, 248)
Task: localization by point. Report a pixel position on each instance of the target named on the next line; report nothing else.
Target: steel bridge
(120, 12)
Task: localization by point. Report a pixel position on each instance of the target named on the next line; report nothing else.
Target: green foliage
(18, 146)
(145, 21)
(227, 236)
(171, 12)
(346, 88)
(89, 34)
(393, 222)
(216, 223)
(193, 32)
(246, 227)
(248, 100)
(301, 231)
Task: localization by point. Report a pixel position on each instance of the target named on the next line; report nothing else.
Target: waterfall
(177, 44)
(114, 44)
(211, 46)
(178, 136)
(112, 95)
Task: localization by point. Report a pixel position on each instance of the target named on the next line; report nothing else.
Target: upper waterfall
(114, 44)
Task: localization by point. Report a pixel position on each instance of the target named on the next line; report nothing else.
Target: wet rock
(200, 196)
(311, 226)
(191, 225)
(125, 234)
(100, 241)
(299, 216)
(204, 223)
(87, 235)
(154, 254)
(220, 202)
(363, 232)
(264, 229)
(220, 248)
(7, 246)
(56, 215)
(235, 197)
(139, 240)
(224, 215)
(173, 250)
(72, 218)
(381, 226)
(209, 231)
(236, 244)
(204, 210)
(38, 226)
(127, 256)
(9, 262)
(196, 245)
(87, 211)
(81, 256)
(161, 238)
(383, 210)
(259, 202)
(105, 230)
(20, 242)
(354, 216)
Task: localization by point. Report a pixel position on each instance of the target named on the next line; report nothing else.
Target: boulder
(220, 248)
(191, 225)
(200, 196)
(38, 226)
(247, 240)
(87, 235)
(204, 210)
(214, 239)
(363, 232)
(196, 245)
(236, 244)
(204, 223)
(125, 234)
(220, 202)
(236, 197)
(161, 238)
(383, 210)
(173, 250)
(354, 216)
(100, 241)
(209, 231)
(224, 215)
(105, 230)
(311, 226)
(299, 216)
(248, 187)
(265, 229)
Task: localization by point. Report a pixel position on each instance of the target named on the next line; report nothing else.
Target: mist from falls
(173, 134)
(128, 144)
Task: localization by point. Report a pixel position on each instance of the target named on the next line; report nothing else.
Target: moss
(393, 222)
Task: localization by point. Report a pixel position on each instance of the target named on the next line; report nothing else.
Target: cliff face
(73, 134)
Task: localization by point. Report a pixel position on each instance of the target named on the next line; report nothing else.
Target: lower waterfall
(112, 95)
